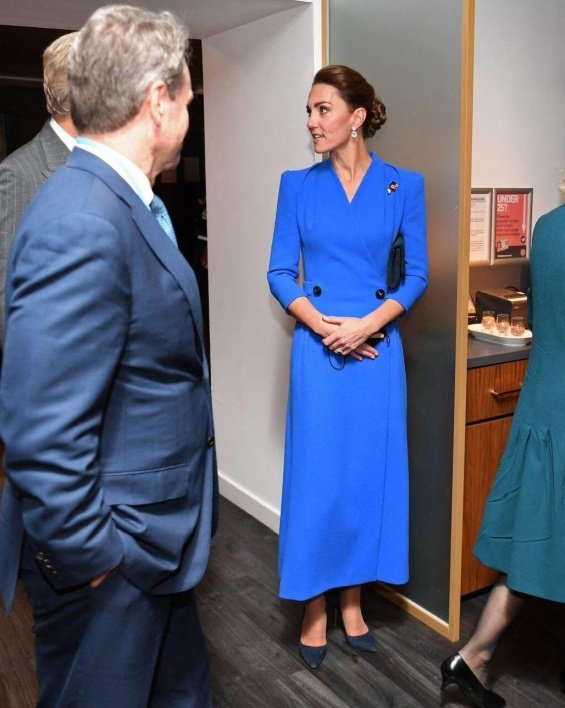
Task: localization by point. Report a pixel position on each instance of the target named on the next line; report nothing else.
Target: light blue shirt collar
(127, 170)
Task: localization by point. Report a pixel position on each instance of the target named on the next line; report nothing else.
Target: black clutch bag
(396, 268)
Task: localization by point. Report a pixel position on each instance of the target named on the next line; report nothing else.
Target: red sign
(512, 224)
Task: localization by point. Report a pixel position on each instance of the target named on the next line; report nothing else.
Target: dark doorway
(22, 114)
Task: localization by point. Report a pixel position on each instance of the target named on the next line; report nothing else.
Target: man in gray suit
(25, 170)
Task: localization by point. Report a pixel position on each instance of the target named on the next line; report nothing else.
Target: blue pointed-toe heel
(362, 642)
(313, 656)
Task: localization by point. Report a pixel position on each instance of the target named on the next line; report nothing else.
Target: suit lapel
(54, 149)
(162, 247)
(170, 257)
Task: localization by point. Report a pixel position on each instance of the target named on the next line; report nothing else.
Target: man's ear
(157, 92)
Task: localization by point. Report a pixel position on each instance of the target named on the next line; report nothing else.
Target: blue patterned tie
(159, 211)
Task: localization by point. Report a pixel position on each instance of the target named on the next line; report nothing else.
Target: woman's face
(329, 119)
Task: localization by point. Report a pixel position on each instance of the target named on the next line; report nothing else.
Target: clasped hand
(349, 337)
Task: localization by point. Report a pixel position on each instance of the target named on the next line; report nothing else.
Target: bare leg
(313, 633)
(351, 612)
(501, 608)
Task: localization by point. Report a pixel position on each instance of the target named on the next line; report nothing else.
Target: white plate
(508, 340)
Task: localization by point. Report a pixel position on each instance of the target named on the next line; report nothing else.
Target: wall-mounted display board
(500, 226)
(481, 227)
(512, 226)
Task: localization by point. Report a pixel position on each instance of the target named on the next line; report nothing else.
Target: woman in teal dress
(344, 517)
(523, 528)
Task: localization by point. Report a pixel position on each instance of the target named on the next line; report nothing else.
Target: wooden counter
(481, 353)
(492, 394)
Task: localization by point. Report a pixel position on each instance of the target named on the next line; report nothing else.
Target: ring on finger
(339, 351)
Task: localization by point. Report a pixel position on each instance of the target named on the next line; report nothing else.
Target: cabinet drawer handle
(500, 394)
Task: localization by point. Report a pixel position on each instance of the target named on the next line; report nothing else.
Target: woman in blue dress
(344, 517)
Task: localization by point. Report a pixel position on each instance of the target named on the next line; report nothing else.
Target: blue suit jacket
(105, 399)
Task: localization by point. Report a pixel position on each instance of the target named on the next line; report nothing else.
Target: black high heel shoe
(455, 670)
(313, 656)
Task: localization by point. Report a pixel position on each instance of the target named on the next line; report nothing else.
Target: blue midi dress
(344, 515)
(523, 529)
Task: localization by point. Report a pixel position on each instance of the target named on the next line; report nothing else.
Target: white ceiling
(204, 17)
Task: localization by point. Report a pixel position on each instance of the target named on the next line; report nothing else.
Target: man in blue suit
(111, 496)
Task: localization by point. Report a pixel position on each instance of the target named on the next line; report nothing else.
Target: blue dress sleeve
(413, 228)
(285, 250)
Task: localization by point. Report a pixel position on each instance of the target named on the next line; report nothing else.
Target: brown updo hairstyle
(357, 92)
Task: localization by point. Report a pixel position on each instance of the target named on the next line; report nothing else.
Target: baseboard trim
(249, 502)
(412, 608)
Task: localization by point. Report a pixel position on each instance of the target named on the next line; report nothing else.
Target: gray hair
(118, 53)
(55, 79)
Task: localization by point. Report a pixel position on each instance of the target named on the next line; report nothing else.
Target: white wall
(519, 97)
(256, 80)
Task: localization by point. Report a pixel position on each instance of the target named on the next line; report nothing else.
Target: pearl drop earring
(353, 132)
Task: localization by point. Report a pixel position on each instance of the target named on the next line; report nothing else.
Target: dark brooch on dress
(392, 187)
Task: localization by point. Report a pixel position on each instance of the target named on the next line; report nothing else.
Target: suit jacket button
(210, 441)
(380, 293)
(317, 290)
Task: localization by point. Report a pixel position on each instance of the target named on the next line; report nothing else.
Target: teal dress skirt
(344, 515)
(523, 528)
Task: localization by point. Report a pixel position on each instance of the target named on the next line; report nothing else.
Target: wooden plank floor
(252, 636)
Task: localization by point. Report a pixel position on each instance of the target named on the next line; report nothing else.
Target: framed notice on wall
(481, 225)
(512, 225)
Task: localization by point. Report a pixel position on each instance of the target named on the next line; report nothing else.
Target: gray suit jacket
(21, 175)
